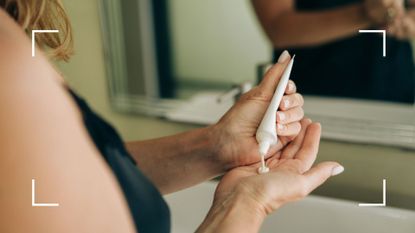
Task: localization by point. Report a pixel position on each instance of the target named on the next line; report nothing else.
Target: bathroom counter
(365, 165)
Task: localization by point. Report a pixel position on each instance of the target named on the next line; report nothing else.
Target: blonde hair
(44, 15)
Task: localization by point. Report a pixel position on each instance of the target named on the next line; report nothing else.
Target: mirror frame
(115, 61)
(363, 127)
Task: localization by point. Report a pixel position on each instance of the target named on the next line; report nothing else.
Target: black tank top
(148, 208)
(353, 67)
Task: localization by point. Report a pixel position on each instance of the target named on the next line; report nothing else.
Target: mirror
(187, 60)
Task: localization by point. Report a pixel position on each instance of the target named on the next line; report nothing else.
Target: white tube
(266, 134)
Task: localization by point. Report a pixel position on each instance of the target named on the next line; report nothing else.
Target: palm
(285, 181)
(237, 128)
(244, 147)
(286, 169)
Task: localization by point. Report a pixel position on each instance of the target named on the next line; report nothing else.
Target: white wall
(201, 53)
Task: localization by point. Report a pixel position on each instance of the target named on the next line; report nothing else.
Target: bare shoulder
(42, 137)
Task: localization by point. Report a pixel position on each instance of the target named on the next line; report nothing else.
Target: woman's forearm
(177, 162)
(234, 214)
(298, 29)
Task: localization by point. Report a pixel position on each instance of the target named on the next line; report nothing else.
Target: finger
(272, 161)
(409, 26)
(411, 13)
(411, 33)
(391, 27)
(387, 3)
(317, 175)
(391, 30)
(292, 148)
(291, 101)
(290, 116)
(273, 75)
(291, 88)
(399, 7)
(406, 28)
(399, 31)
(309, 149)
(400, 34)
(290, 129)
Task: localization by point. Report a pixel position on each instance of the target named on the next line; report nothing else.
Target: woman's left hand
(243, 198)
(235, 132)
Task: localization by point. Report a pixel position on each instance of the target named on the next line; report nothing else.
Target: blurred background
(216, 45)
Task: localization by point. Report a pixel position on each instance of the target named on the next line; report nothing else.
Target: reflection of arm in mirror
(288, 26)
(337, 61)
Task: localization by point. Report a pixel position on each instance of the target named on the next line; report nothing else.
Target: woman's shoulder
(42, 137)
(9, 29)
(15, 49)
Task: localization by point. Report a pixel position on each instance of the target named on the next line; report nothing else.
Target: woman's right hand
(243, 198)
(383, 12)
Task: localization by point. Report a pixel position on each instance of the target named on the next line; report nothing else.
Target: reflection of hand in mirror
(325, 36)
(403, 28)
(254, 196)
(236, 130)
(382, 12)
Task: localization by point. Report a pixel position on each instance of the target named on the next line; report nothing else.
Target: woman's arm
(179, 161)
(42, 138)
(286, 27)
(183, 160)
(236, 213)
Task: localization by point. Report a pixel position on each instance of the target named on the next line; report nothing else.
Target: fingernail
(281, 127)
(283, 57)
(281, 115)
(319, 124)
(337, 170)
(267, 68)
(290, 86)
(286, 103)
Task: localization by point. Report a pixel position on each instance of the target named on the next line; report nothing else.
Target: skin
(60, 155)
(243, 198)
(286, 27)
(199, 155)
(377, 10)
(42, 137)
(403, 27)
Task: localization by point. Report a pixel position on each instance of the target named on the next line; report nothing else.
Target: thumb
(272, 77)
(317, 175)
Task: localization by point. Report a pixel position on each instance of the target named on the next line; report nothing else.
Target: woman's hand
(243, 198)
(383, 12)
(235, 132)
(403, 28)
(391, 14)
(290, 178)
(180, 161)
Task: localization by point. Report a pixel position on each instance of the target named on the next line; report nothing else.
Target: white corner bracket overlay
(383, 204)
(383, 34)
(34, 38)
(34, 204)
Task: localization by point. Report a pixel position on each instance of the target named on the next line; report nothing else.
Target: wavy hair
(44, 15)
